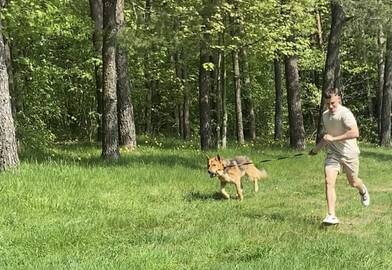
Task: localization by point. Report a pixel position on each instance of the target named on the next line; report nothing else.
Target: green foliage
(53, 67)
(53, 59)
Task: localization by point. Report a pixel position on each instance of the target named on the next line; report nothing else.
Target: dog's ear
(218, 156)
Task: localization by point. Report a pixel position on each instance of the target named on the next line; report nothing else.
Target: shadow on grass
(281, 217)
(68, 155)
(377, 156)
(198, 196)
(325, 226)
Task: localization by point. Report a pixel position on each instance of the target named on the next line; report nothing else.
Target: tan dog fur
(232, 170)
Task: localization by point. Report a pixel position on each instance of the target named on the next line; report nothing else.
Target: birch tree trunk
(237, 76)
(218, 94)
(238, 105)
(223, 97)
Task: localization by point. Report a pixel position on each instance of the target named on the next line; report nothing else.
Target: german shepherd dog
(232, 170)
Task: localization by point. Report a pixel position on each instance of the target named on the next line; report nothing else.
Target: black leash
(280, 158)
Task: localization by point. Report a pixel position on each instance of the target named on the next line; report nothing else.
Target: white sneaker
(365, 198)
(331, 220)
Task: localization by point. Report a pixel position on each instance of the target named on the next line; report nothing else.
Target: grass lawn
(157, 208)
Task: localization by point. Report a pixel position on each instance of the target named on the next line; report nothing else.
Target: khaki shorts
(350, 166)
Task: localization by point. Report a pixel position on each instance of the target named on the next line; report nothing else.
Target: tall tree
(381, 70)
(126, 122)
(183, 106)
(110, 145)
(96, 13)
(248, 94)
(278, 99)
(218, 86)
(296, 126)
(205, 76)
(385, 139)
(238, 104)
(222, 91)
(237, 75)
(149, 81)
(332, 64)
(8, 148)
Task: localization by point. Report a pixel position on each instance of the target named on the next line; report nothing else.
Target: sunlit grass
(157, 208)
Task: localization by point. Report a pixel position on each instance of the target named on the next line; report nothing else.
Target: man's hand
(328, 138)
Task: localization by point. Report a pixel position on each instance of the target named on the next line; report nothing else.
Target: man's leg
(363, 192)
(356, 182)
(351, 168)
(331, 174)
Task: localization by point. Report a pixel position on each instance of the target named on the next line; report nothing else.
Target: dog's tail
(256, 173)
(262, 174)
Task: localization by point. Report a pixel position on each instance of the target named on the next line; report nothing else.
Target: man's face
(332, 103)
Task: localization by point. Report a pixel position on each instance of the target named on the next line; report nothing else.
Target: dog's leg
(223, 191)
(256, 184)
(239, 189)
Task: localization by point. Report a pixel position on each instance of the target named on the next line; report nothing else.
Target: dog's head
(215, 166)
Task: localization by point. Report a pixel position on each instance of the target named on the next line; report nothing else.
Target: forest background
(208, 70)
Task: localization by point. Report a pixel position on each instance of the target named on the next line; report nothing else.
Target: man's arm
(318, 147)
(351, 133)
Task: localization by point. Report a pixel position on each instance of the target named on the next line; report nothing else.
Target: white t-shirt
(336, 124)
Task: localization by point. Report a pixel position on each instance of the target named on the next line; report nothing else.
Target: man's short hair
(331, 92)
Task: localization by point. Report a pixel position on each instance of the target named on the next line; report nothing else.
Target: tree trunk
(218, 87)
(204, 88)
(205, 76)
(186, 123)
(387, 95)
(181, 71)
(235, 33)
(296, 126)
(381, 70)
(178, 69)
(15, 93)
(127, 132)
(204, 107)
(110, 146)
(8, 147)
(11, 82)
(218, 94)
(147, 72)
(248, 94)
(332, 67)
(96, 13)
(238, 106)
(156, 109)
(223, 98)
(278, 100)
(319, 30)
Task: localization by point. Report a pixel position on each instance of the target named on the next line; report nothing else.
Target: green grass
(157, 208)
